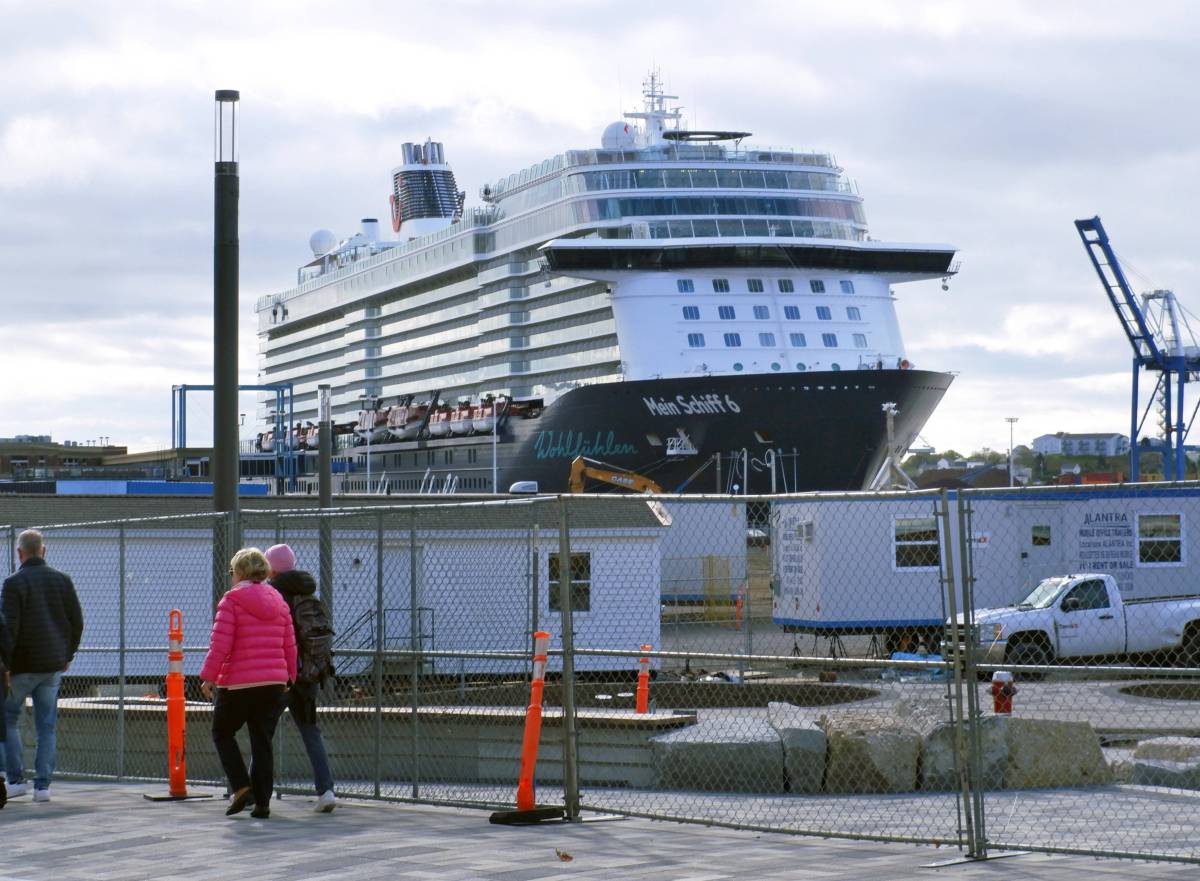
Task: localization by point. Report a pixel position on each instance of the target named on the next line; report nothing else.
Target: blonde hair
(250, 564)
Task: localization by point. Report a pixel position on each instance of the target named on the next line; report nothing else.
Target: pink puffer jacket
(252, 638)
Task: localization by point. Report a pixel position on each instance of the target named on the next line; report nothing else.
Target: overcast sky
(989, 128)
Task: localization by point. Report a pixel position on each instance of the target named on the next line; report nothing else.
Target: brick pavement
(101, 831)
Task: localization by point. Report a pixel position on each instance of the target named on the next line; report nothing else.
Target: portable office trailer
(484, 584)
(704, 551)
(874, 563)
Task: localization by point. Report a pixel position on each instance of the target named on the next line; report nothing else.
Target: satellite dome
(618, 136)
(322, 242)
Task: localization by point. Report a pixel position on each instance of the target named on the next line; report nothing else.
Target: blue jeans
(44, 688)
(302, 701)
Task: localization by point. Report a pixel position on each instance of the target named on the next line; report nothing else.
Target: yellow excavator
(583, 468)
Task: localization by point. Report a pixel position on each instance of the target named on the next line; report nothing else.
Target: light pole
(1011, 420)
(369, 402)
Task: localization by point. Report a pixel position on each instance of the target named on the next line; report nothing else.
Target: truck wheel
(1028, 653)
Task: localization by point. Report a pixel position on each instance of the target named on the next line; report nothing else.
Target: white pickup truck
(1083, 616)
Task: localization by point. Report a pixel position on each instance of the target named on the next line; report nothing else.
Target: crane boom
(1112, 277)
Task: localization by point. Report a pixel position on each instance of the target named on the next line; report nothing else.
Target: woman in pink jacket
(251, 660)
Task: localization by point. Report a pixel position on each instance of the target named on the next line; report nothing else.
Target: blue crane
(1161, 342)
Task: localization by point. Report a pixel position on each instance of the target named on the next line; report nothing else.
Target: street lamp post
(369, 402)
(1011, 420)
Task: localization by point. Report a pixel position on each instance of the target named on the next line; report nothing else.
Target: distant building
(1067, 444)
(1048, 444)
(37, 457)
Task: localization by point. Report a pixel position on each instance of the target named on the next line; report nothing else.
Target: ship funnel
(370, 229)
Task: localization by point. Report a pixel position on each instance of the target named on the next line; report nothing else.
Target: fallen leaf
(563, 855)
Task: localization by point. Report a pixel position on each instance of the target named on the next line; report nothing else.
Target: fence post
(414, 636)
(378, 651)
(570, 768)
(534, 598)
(121, 653)
(956, 684)
(975, 736)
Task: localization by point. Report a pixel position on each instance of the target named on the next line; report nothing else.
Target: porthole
(737, 365)
(835, 366)
(775, 365)
(800, 365)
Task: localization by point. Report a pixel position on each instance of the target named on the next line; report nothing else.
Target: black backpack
(314, 640)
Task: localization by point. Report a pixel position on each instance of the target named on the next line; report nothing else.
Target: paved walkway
(94, 832)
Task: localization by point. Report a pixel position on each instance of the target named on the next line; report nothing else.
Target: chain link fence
(820, 664)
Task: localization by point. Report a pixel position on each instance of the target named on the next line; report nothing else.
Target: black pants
(259, 709)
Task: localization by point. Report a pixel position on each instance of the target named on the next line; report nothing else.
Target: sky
(988, 127)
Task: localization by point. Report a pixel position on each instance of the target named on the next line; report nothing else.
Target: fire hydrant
(1002, 692)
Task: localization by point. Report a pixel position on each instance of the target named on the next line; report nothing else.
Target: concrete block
(722, 755)
(804, 745)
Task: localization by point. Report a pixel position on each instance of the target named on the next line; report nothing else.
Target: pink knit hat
(281, 557)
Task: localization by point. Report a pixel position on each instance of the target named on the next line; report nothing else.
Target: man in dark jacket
(45, 625)
(313, 663)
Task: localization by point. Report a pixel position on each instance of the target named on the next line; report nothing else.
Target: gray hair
(30, 542)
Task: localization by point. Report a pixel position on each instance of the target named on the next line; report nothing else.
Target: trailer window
(581, 583)
(916, 543)
(1160, 539)
(1040, 537)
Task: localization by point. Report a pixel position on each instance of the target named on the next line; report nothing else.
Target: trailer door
(1042, 545)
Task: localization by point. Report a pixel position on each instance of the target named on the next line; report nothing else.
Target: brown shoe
(237, 804)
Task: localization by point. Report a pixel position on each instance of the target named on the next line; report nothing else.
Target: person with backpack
(314, 642)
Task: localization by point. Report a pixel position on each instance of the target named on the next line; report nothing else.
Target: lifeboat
(484, 418)
(265, 442)
(398, 418)
(462, 419)
(408, 427)
(372, 423)
(439, 421)
(312, 436)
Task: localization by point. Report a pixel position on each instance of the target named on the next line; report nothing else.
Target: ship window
(691, 313)
(798, 340)
(762, 313)
(733, 340)
(860, 341)
(853, 313)
(684, 285)
(737, 365)
(835, 366)
(720, 285)
(800, 365)
(581, 582)
(915, 543)
(817, 286)
(775, 365)
(704, 229)
(696, 340)
(791, 313)
(786, 286)
(1160, 539)
(830, 340)
(726, 313)
(766, 340)
(847, 286)
(824, 314)
(447, 457)
(471, 455)
(754, 285)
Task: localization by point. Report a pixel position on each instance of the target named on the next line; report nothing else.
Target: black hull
(827, 431)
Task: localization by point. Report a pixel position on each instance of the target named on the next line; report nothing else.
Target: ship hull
(824, 430)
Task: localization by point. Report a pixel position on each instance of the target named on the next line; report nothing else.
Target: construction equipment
(582, 468)
(1158, 331)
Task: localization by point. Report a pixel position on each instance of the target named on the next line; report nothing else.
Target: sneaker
(41, 795)
(3, 793)
(17, 789)
(326, 802)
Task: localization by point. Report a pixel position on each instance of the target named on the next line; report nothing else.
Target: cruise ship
(675, 304)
